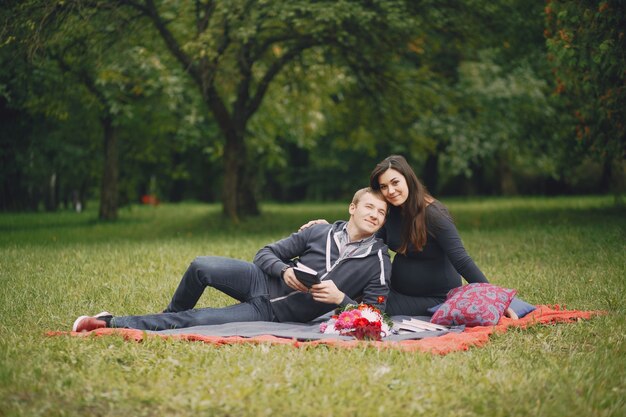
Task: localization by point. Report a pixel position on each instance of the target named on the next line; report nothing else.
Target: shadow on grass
(525, 218)
(202, 221)
(63, 221)
(168, 221)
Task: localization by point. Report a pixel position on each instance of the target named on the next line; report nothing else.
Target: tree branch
(203, 75)
(202, 21)
(225, 41)
(170, 41)
(258, 52)
(274, 69)
(245, 69)
(85, 79)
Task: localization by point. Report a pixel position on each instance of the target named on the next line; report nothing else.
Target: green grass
(54, 267)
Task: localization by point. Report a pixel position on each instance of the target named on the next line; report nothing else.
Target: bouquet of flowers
(362, 321)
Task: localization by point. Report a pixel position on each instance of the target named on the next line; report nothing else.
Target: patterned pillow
(521, 307)
(478, 304)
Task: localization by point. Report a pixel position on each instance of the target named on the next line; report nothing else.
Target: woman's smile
(394, 187)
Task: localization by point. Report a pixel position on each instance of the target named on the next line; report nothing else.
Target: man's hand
(327, 292)
(312, 223)
(290, 279)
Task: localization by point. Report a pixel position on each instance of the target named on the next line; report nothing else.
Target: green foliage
(56, 266)
(586, 40)
(233, 51)
(84, 67)
(48, 136)
(491, 117)
(299, 99)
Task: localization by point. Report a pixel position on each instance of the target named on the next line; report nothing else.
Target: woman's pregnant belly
(423, 277)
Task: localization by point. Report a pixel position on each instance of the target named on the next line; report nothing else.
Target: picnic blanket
(308, 335)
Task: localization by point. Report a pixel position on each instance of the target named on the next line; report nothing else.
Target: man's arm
(274, 257)
(375, 291)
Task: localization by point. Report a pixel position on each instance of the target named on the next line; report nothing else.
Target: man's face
(368, 215)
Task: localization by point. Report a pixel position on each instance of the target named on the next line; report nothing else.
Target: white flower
(370, 315)
(384, 329)
(330, 327)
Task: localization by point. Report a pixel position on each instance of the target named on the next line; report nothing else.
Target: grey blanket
(299, 331)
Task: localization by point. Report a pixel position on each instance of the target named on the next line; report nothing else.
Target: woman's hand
(510, 314)
(327, 292)
(312, 223)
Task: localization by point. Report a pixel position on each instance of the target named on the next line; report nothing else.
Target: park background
(248, 101)
(244, 119)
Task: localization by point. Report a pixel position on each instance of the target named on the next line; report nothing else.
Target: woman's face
(394, 187)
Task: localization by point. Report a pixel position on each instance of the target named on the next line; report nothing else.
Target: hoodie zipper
(329, 267)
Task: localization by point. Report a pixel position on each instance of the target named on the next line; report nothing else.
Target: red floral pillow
(479, 304)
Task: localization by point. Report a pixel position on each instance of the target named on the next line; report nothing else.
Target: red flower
(368, 332)
(361, 322)
(354, 320)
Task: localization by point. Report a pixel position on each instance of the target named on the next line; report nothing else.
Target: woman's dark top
(439, 266)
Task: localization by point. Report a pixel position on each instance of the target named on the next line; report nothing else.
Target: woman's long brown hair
(414, 208)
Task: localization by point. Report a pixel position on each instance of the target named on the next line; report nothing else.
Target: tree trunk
(238, 195)
(507, 184)
(431, 172)
(617, 180)
(607, 173)
(176, 192)
(247, 199)
(108, 191)
(232, 155)
(51, 202)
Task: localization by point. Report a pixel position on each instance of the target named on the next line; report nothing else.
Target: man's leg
(256, 309)
(241, 280)
(233, 277)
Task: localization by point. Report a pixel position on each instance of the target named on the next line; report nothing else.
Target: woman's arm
(445, 232)
(441, 227)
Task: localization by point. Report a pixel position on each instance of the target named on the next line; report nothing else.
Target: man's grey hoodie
(363, 276)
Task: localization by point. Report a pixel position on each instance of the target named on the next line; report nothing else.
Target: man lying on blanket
(349, 260)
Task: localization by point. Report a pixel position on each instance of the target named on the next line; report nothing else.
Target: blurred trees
(45, 153)
(244, 100)
(233, 51)
(86, 82)
(587, 45)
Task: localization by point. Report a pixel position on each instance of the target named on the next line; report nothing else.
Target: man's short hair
(369, 190)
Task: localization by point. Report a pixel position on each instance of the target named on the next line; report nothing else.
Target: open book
(415, 325)
(306, 275)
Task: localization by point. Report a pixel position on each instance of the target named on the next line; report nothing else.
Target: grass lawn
(54, 267)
